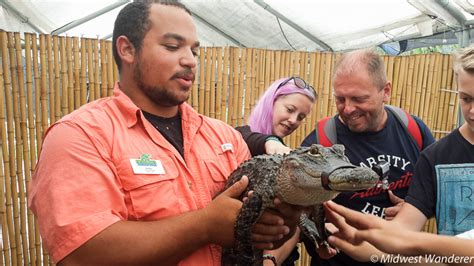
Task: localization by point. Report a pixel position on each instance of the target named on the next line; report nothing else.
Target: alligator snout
(352, 179)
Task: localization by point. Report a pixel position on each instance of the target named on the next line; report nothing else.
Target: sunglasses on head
(300, 83)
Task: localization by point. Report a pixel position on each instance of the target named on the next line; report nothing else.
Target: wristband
(273, 138)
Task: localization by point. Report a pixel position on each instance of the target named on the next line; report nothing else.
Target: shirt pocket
(219, 168)
(151, 196)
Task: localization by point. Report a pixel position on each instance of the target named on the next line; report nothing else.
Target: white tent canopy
(306, 25)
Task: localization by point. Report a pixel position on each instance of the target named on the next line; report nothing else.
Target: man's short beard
(159, 96)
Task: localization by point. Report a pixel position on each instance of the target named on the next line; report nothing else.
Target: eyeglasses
(300, 83)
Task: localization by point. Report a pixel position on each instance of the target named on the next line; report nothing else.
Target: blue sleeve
(426, 135)
(422, 190)
(310, 139)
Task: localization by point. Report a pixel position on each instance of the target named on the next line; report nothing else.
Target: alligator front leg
(313, 227)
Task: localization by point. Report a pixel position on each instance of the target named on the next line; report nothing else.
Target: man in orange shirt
(135, 178)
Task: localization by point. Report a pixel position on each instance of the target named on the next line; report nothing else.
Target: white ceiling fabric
(305, 25)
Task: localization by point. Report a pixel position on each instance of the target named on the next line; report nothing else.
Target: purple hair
(261, 117)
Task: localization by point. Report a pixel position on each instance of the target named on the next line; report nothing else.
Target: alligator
(305, 177)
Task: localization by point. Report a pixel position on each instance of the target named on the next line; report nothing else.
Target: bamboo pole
(399, 100)
(424, 88)
(429, 88)
(285, 66)
(327, 85)
(388, 62)
(90, 70)
(4, 229)
(110, 69)
(103, 77)
(303, 65)
(213, 81)
(259, 78)
(193, 99)
(256, 63)
(22, 147)
(77, 73)
(84, 55)
(318, 81)
(7, 221)
(439, 95)
(44, 89)
(396, 74)
(15, 174)
(331, 95)
(38, 129)
(391, 66)
(225, 86)
(406, 99)
(235, 85)
(96, 71)
(219, 84)
(421, 100)
(248, 84)
(279, 60)
(64, 77)
(311, 120)
(10, 171)
(436, 93)
(32, 142)
(443, 96)
(333, 109)
(240, 86)
(416, 77)
(70, 75)
(419, 85)
(207, 82)
(115, 72)
(272, 76)
(270, 69)
(57, 80)
(49, 51)
(202, 79)
(452, 105)
(255, 80)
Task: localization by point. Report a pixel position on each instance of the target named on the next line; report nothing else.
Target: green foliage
(443, 49)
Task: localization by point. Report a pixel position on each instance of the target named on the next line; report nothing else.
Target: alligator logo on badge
(145, 160)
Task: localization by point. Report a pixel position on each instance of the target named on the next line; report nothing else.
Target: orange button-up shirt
(84, 180)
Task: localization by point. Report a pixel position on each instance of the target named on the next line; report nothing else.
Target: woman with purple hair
(280, 110)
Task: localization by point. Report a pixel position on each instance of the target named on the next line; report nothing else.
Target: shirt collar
(131, 112)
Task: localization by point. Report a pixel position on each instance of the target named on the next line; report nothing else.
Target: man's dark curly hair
(133, 22)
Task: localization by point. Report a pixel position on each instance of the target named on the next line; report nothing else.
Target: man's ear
(387, 91)
(125, 49)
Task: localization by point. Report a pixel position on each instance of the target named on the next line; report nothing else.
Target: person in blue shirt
(371, 134)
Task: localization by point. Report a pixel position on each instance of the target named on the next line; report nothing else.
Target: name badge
(147, 166)
(227, 147)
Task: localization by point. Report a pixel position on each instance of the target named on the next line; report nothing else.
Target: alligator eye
(314, 152)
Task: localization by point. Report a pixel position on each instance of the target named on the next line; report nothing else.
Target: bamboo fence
(45, 77)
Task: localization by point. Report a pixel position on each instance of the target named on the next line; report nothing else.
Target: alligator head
(311, 175)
